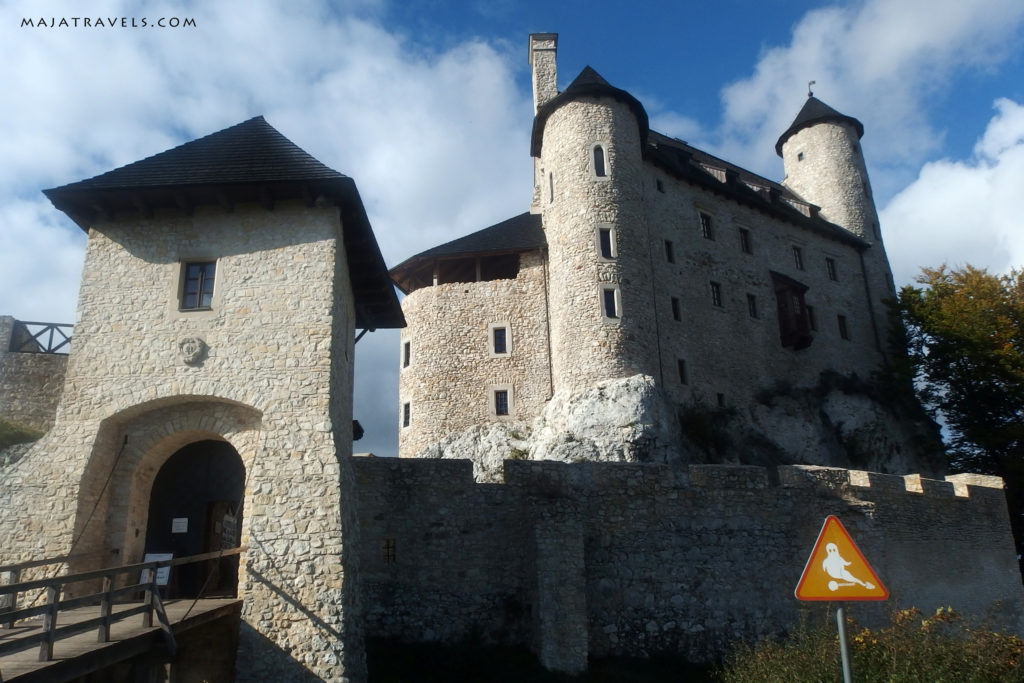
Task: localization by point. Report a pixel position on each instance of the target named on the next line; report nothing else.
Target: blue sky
(426, 103)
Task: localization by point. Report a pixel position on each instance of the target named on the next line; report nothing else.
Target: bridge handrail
(61, 559)
(54, 587)
(122, 569)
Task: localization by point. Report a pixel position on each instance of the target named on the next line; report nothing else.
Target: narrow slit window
(830, 267)
(499, 337)
(406, 414)
(670, 254)
(501, 402)
(721, 400)
(716, 294)
(752, 306)
(599, 162)
(798, 258)
(745, 245)
(812, 321)
(406, 354)
(707, 229)
(676, 312)
(606, 242)
(844, 330)
(681, 369)
(609, 301)
(551, 187)
(660, 185)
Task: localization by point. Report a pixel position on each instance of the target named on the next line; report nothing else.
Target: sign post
(837, 570)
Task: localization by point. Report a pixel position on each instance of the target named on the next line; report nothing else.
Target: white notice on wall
(179, 525)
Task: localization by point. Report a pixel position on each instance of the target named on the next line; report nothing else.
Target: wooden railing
(29, 337)
(106, 598)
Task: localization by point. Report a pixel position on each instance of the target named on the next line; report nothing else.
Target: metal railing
(50, 611)
(29, 337)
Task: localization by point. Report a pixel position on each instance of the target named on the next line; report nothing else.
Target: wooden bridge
(67, 638)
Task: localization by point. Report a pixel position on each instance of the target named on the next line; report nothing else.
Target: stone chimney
(543, 47)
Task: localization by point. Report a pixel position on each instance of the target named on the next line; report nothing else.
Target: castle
(644, 257)
(223, 284)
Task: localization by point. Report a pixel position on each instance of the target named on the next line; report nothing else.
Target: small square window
(670, 254)
(606, 242)
(197, 290)
(830, 266)
(406, 354)
(799, 156)
(609, 301)
(681, 369)
(752, 305)
(716, 294)
(501, 402)
(844, 330)
(707, 230)
(798, 258)
(406, 414)
(676, 311)
(745, 244)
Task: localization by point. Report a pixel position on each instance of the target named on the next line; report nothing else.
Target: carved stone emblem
(193, 349)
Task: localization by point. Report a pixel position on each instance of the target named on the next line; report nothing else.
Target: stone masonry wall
(726, 349)
(265, 383)
(30, 383)
(650, 559)
(452, 373)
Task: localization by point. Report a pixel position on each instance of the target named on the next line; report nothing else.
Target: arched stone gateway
(129, 452)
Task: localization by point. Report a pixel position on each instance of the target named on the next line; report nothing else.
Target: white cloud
(877, 60)
(968, 211)
(437, 139)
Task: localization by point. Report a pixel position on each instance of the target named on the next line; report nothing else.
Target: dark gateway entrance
(195, 507)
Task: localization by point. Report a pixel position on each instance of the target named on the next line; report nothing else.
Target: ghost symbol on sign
(836, 567)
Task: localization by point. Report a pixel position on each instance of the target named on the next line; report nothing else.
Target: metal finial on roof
(810, 93)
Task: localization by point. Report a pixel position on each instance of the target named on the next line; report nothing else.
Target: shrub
(941, 647)
(12, 433)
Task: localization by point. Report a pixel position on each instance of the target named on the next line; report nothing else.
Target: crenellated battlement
(527, 475)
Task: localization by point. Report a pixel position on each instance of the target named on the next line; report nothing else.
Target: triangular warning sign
(837, 570)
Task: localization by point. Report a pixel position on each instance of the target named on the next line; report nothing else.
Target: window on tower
(600, 163)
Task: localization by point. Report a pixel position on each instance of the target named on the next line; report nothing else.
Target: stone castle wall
(452, 371)
(274, 381)
(30, 383)
(726, 349)
(606, 559)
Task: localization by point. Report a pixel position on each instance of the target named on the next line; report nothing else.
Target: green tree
(965, 342)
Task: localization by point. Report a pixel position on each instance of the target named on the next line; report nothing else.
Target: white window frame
(605, 150)
(508, 340)
(492, 396)
(612, 237)
(618, 303)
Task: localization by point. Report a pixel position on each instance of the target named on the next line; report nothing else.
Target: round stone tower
(589, 141)
(824, 164)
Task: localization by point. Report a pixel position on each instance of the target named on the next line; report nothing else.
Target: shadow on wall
(255, 647)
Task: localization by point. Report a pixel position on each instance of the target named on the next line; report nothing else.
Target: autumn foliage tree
(965, 340)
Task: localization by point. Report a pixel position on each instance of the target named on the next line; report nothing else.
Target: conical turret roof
(813, 112)
(588, 83)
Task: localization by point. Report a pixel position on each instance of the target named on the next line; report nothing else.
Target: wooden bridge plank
(80, 654)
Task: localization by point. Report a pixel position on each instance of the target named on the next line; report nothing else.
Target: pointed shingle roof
(815, 111)
(588, 83)
(250, 152)
(250, 162)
